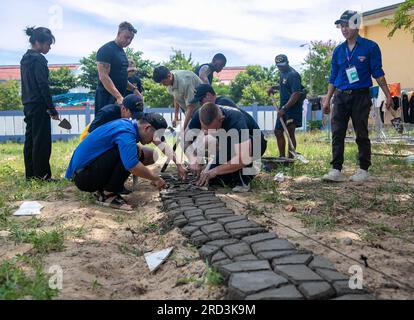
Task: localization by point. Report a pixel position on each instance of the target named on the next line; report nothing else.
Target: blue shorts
(293, 115)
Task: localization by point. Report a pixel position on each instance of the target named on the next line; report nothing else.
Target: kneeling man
(105, 159)
(240, 142)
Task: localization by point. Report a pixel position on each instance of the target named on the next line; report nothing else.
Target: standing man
(292, 96)
(113, 69)
(181, 85)
(354, 62)
(205, 93)
(206, 71)
(38, 105)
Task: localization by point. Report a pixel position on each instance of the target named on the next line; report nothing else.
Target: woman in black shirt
(38, 105)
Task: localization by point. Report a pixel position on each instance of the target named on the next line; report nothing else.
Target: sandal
(112, 200)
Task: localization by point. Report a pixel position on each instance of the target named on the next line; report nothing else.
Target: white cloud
(250, 30)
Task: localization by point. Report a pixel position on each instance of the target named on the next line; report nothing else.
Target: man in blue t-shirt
(105, 159)
(354, 63)
(292, 96)
(112, 65)
(240, 141)
(205, 93)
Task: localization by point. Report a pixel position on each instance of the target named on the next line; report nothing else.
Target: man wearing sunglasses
(354, 63)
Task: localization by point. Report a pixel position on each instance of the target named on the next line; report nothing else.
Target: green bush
(10, 96)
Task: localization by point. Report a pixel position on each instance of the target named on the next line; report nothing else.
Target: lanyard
(350, 55)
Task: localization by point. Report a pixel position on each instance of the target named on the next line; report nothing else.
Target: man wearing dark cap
(292, 95)
(354, 63)
(132, 107)
(105, 159)
(181, 85)
(205, 93)
(206, 71)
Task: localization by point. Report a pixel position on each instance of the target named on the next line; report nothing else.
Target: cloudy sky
(246, 31)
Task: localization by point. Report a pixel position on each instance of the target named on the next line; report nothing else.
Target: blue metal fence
(12, 126)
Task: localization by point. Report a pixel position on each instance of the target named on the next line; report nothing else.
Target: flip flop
(112, 200)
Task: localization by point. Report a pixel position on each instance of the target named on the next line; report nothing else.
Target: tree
(220, 89)
(10, 96)
(156, 95)
(62, 80)
(402, 19)
(145, 67)
(178, 61)
(89, 76)
(258, 78)
(256, 92)
(318, 63)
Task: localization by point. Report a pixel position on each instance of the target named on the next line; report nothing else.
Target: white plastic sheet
(29, 208)
(156, 259)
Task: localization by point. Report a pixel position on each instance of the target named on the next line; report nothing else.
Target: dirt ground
(103, 255)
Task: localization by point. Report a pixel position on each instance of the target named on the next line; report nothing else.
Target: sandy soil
(106, 260)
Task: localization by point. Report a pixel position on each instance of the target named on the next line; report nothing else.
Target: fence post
(87, 113)
(255, 113)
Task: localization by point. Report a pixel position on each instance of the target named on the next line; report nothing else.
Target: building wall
(397, 54)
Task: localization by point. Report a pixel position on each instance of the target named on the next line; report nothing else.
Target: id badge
(352, 74)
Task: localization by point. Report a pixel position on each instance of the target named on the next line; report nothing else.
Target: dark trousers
(38, 142)
(236, 178)
(102, 99)
(106, 173)
(357, 108)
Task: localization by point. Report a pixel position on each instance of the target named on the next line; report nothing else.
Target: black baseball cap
(156, 120)
(201, 91)
(134, 104)
(281, 60)
(349, 16)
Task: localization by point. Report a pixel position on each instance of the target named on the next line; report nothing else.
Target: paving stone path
(254, 263)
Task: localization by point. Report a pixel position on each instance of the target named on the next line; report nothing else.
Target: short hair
(208, 113)
(40, 34)
(221, 57)
(126, 26)
(160, 73)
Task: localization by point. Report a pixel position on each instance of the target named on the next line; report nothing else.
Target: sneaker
(242, 189)
(335, 176)
(360, 176)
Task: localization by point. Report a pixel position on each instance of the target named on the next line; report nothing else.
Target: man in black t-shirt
(205, 93)
(132, 107)
(240, 142)
(206, 71)
(133, 77)
(113, 69)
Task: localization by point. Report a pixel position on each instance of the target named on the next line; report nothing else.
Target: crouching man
(240, 142)
(105, 159)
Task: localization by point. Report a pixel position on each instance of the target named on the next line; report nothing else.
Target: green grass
(20, 280)
(212, 277)
(393, 198)
(24, 279)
